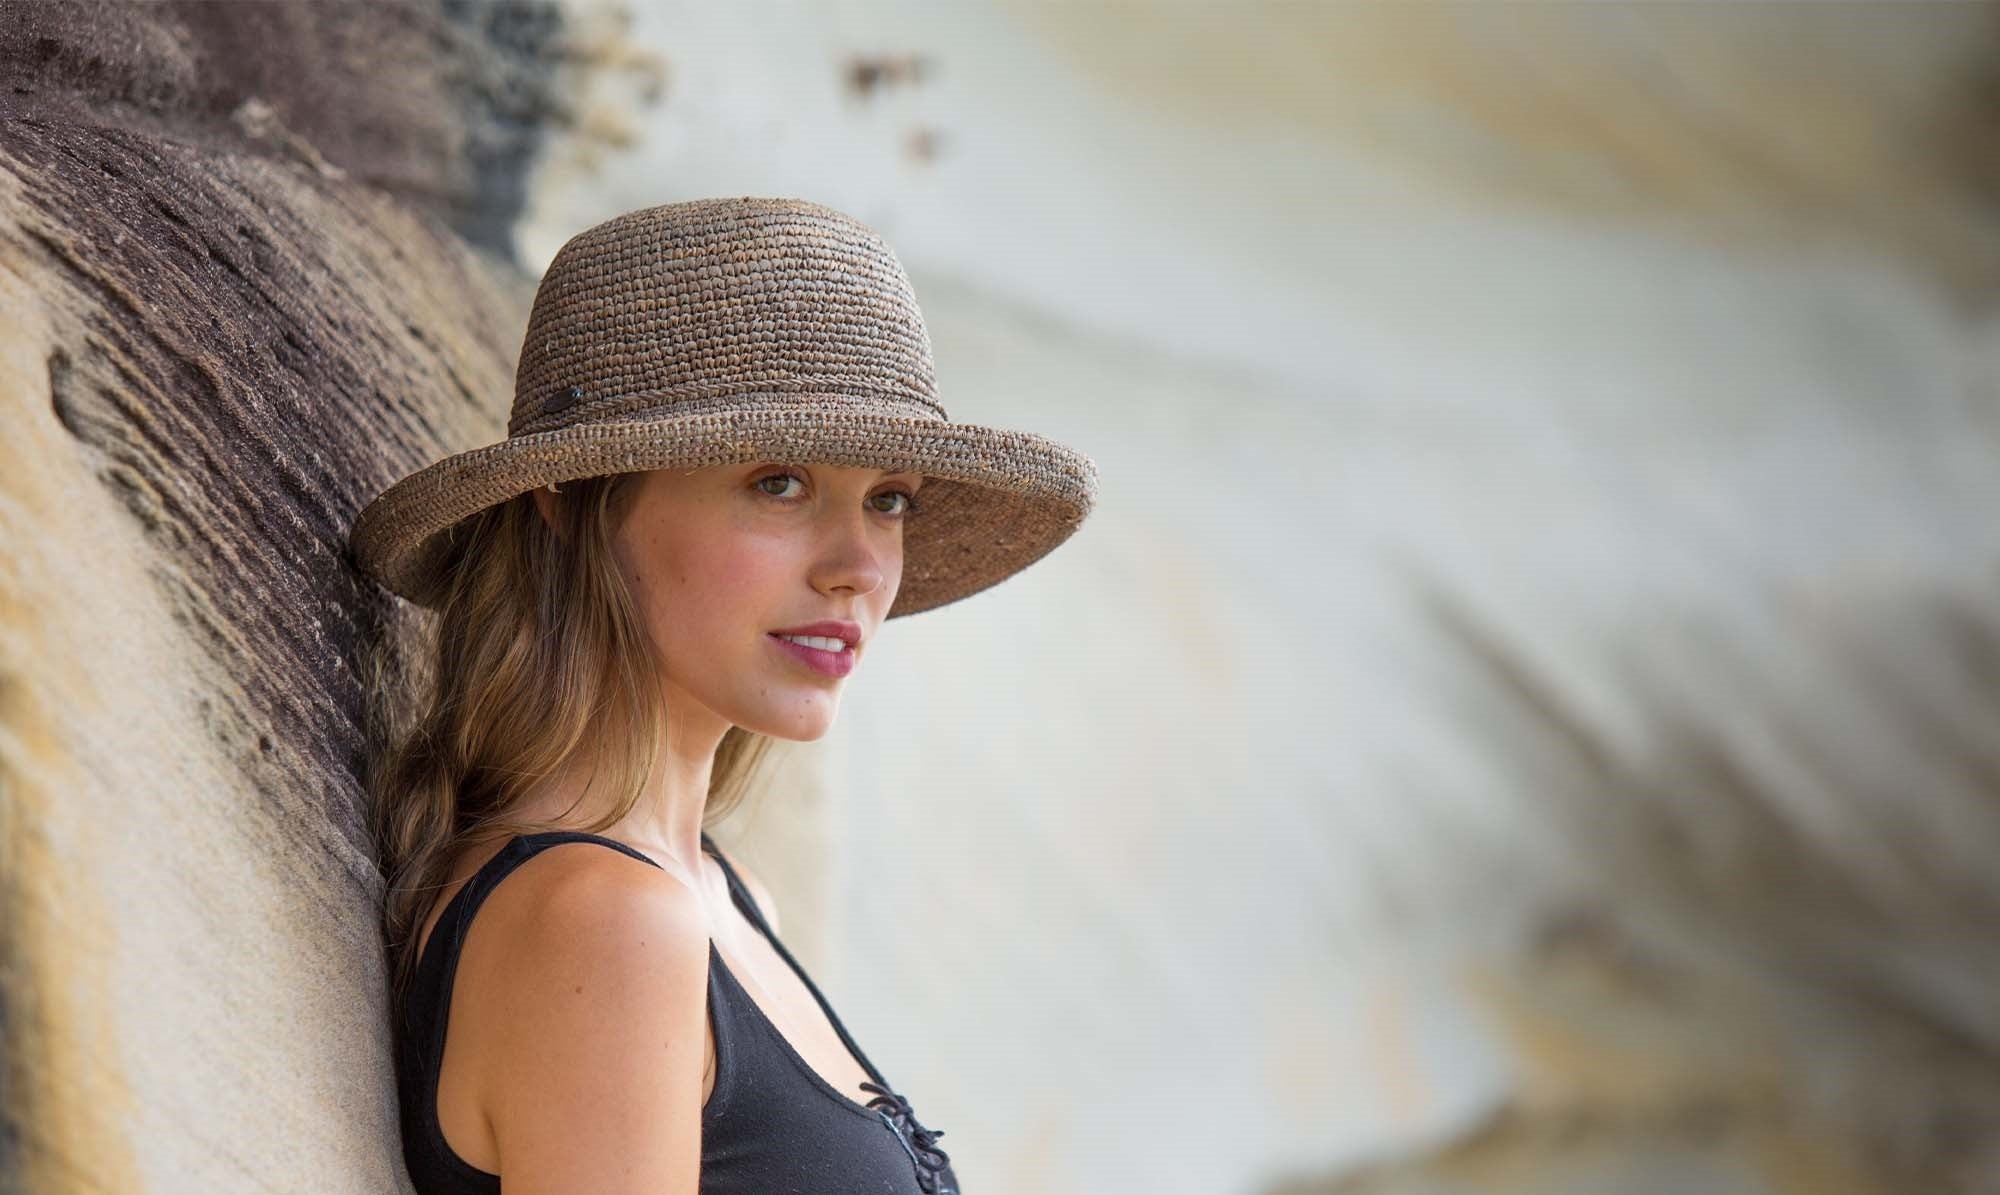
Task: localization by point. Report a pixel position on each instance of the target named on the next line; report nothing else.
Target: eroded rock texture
(252, 267)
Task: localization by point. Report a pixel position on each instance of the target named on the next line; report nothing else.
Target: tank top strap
(741, 894)
(738, 891)
(550, 837)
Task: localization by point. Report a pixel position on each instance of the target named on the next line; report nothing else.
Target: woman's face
(722, 557)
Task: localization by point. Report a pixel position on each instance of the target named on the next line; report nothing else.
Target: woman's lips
(831, 663)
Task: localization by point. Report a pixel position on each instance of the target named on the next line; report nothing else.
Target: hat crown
(659, 309)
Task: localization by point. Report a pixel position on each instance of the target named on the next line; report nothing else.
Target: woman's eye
(778, 477)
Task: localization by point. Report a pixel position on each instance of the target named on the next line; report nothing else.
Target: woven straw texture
(726, 331)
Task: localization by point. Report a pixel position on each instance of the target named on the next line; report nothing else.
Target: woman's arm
(596, 1081)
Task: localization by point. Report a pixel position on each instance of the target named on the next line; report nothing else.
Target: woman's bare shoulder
(565, 887)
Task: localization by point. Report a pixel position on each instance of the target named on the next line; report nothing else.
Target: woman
(726, 469)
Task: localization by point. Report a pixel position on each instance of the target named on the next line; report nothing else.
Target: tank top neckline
(740, 896)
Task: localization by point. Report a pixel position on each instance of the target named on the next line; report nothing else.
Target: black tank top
(772, 1123)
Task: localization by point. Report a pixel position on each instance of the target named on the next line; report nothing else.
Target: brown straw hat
(732, 330)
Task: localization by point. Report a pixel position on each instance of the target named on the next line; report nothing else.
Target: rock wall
(253, 264)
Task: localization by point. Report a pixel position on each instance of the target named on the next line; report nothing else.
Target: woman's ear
(545, 502)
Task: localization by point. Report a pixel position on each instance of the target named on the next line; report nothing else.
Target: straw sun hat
(732, 330)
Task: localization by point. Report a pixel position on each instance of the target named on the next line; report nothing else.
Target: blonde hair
(537, 655)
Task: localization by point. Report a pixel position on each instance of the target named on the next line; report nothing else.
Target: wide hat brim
(993, 500)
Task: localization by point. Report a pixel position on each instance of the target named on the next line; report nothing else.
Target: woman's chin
(802, 723)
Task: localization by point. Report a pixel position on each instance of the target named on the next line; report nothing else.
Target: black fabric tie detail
(930, 1160)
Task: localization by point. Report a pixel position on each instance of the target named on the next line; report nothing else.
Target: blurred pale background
(1522, 716)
